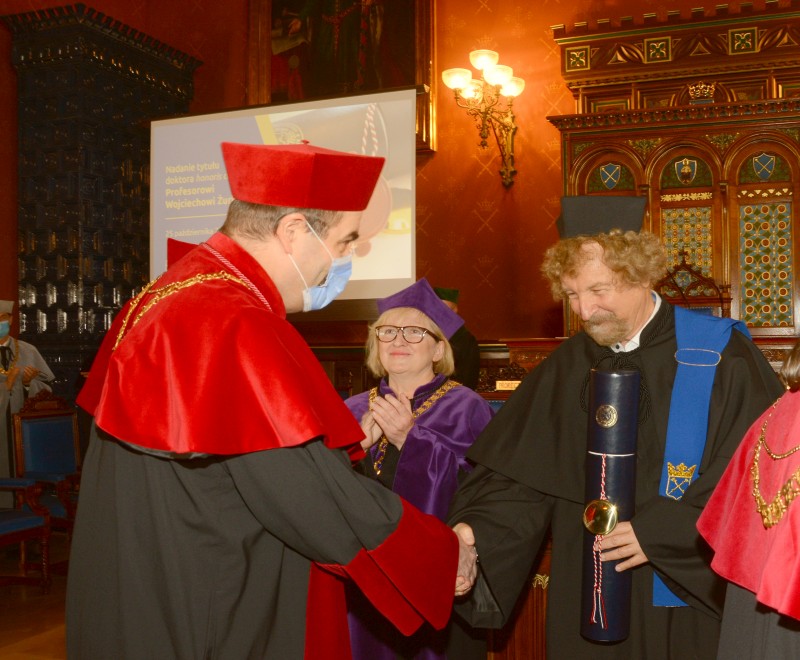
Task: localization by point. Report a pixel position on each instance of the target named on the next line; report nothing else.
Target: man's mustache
(599, 318)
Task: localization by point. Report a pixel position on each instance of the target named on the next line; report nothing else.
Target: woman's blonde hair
(445, 365)
(636, 257)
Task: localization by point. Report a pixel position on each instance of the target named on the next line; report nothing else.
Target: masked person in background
(219, 515)
(23, 373)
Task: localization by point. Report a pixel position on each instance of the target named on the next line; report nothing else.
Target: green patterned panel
(688, 229)
(610, 176)
(765, 262)
(686, 172)
(763, 167)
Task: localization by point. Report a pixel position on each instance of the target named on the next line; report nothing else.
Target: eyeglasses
(413, 334)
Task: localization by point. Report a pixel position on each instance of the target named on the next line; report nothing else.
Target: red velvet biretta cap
(300, 175)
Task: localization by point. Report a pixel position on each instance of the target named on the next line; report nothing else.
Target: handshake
(467, 559)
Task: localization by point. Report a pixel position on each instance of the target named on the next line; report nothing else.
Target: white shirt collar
(633, 343)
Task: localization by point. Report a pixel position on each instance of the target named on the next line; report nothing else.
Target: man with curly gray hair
(702, 383)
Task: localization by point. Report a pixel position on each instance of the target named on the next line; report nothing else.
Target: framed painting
(302, 50)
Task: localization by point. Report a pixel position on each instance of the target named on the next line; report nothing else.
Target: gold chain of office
(772, 512)
(162, 292)
(383, 443)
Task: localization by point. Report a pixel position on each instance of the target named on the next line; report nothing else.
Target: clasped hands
(467, 559)
(388, 416)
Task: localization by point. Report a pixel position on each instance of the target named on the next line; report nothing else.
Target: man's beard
(606, 328)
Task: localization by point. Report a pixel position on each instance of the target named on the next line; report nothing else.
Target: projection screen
(189, 192)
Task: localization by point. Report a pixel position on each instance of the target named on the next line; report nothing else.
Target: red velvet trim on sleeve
(356, 453)
(410, 578)
(327, 634)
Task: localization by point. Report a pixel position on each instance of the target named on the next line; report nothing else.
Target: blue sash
(701, 340)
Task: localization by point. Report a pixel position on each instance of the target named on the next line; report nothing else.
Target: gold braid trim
(383, 443)
(772, 512)
(161, 293)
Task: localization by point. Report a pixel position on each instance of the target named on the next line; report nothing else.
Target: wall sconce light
(489, 100)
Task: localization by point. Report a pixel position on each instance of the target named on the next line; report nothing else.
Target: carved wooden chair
(47, 451)
(686, 286)
(29, 523)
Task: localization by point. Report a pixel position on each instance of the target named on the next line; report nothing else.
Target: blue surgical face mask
(322, 295)
(5, 328)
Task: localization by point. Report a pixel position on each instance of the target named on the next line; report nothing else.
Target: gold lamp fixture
(489, 100)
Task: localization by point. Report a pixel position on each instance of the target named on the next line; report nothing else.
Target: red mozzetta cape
(207, 349)
(764, 561)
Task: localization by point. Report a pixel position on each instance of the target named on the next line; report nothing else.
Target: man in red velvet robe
(218, 516)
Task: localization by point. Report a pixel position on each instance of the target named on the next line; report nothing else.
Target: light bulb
(513, 87)
(456, 78)
(498, 75)
(473, 90)
(481, 59)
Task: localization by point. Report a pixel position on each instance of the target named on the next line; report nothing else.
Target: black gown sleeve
(404, 561)
(509, 521)
(311, 499)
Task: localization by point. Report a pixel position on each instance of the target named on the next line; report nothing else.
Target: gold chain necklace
(14, 357)
(771, 513)
(168, 290)
(383, 444)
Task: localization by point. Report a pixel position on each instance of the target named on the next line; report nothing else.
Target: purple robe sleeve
(435, 449)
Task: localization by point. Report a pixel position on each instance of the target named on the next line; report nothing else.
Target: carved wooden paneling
(726, 56)
(701, 115)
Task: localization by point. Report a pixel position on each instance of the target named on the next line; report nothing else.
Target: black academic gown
(530, 475)
(210, 557)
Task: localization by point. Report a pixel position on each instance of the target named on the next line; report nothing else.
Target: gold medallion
(606, 416)
(600, 517)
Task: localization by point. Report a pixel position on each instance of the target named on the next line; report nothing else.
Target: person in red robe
(753, 524)
(219, 515)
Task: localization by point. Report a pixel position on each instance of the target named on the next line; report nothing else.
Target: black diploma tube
(610, 497)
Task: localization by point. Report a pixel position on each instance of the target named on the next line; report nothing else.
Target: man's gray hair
(259, 221)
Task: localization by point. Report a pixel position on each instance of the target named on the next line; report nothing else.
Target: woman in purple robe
(419, 425)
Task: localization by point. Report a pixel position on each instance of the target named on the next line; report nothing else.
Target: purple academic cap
(421, 296)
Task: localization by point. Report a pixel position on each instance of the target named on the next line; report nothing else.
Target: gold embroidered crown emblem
(680, 471)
